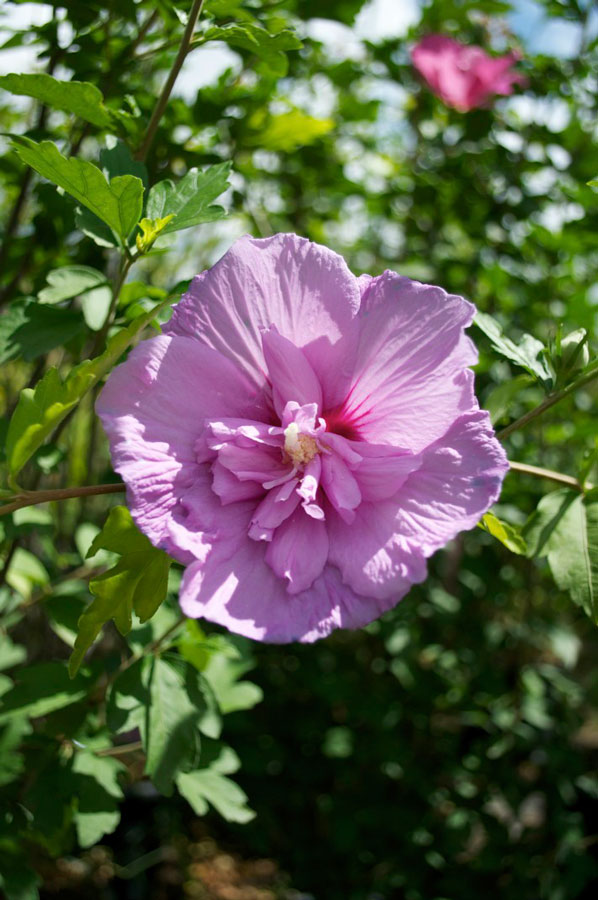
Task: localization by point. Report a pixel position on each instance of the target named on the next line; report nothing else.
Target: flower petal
(153, 408)
(292, 377)
(233, 586)
(298, 551)
(276, 506)
(304, 289)
(459, 479)
(340, 485)
(411, 379)
(373, 557)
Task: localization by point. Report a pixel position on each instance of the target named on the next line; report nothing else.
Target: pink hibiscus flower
(302, 440)
(464, 77)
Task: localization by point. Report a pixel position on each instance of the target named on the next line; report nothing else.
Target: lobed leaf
(137, 583)
(189, 201)
(117, 203)
(170, 706)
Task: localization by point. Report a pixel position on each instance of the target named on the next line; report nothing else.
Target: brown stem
(33, 498)
(123, 748)
(549, 474)
(172, 77)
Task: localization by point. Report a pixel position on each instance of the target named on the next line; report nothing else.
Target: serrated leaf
(30, 330)
(42, 408)
(564, 528)
(137, 583)
(530, 353)
(189, 200)
(168, 706)
(80, 98)
(289, 130)
(117, 203)
(42, 688)
(251, 37)
(505, 533)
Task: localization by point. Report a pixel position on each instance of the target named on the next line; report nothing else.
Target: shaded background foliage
(450, 748)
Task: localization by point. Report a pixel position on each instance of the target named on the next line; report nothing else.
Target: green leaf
(138, 582)
(42, 688)
(505, 533)
(168, 705)
(289, 130)
(118, 203)
(42, 408)
(10, 654)
(189, 200)
(78, 97)
(151, 229)
(224, 673)
(530, 353)
(564, 528)
(30, 330)
(116, 159)
(98, 793)
(26, 572)
(271, 48)
(205, 786)
(18, 880)
(70, 281)
(84, 282)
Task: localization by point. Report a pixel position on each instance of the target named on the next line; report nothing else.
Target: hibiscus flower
(302, 440)
(463, 76)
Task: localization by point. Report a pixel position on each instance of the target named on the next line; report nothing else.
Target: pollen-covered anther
(300, 448)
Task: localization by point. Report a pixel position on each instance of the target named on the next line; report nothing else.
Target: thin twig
(116, 750)
(100, 339)
(547, 403)
(172, 77)
(33, 498)
(549, 474)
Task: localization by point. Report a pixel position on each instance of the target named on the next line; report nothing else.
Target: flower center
(301, 448)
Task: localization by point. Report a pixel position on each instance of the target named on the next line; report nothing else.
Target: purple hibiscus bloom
(302, 440)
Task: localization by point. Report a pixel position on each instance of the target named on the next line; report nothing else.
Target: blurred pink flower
(302, 440)
(464, 77)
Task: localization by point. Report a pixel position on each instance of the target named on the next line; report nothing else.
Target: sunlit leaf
(189, 201)
(564, 528)
(40, 409)
(80, 98)
(137, 583)
(530, 353)
(117, 203)
(505, 533)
